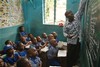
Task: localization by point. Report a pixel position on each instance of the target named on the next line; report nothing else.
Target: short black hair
(20, 28)
(22, 62)
(67, 12)
(7, 42)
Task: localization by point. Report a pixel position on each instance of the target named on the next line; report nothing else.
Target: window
(54, 11)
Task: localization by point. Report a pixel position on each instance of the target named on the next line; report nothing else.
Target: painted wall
(73, 5)
(8, 28)
(8, 33)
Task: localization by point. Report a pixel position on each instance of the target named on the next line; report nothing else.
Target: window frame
(43, 11)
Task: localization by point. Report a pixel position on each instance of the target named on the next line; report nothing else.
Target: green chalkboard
(92, 32)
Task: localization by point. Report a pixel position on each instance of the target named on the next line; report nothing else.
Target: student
(35, 44)
(7, 43)
(26, 43)
(23, 40)
(55, 36)
(21, 50)
(44, 37)
(52, 53)
(33, 58)
(29, 37)
(22, 32)
(50, 36)
(72, 30)
(11, 58)
(23, 62)
(39, 40)
(41, 43)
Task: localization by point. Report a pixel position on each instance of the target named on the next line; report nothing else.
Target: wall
(8, 33)
(73, 5)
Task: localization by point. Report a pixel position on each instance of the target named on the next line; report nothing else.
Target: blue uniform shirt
(52, 52)
(35, 61)
(35, 46)
(23, 33)
(11, 60)
(6, 47)
(45, 39)
(22, 53)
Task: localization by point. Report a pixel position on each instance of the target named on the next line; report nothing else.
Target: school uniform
(28, 39)
(22, 54)
(51, 54)
(10, 60)
(35, 46)
(6, 47)
(23, 33)
(44, 39)
(35, 61)
(41, 43)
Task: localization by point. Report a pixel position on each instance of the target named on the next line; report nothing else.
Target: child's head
(23, 39)
(50, 36)
(44, 35)
(8, 42)
(1, 63)
(32, 52)
(9, 51)
(53, 42)
(38, 38)
(54, 34)
(21, 28)
(23, 62)
(30, 35)
(34, 40)
(20, 46)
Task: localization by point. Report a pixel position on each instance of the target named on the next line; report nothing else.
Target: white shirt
(74, 28)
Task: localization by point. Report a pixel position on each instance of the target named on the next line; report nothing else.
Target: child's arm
(28, 43)
(40, 64)
(45, 44)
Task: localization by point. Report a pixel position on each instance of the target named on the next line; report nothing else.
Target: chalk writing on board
(92, 41)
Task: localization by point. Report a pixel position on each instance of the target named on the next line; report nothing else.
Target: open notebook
(45, 49)
(61, 44)
(62, 53)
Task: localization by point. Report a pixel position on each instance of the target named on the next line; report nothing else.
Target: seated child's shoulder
(37, 57)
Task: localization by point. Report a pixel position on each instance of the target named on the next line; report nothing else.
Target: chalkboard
(91, 33)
